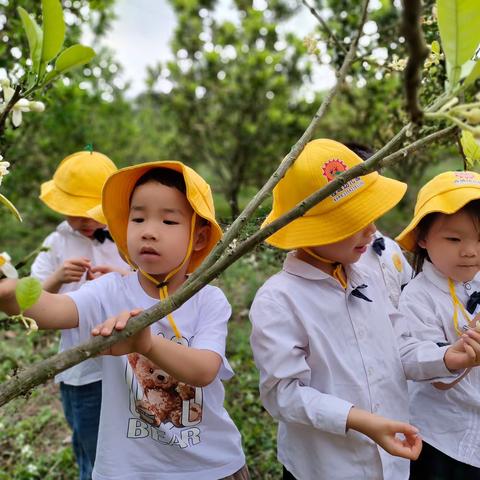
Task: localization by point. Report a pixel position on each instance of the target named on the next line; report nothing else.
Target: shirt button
(370, 371)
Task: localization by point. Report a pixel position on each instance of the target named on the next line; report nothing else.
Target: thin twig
(325, 26)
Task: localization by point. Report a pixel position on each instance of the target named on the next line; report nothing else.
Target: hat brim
(447, 202)
(116, 205)
(342, 221)
(65, 203)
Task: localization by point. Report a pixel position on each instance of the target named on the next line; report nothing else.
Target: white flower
(23, 105)
(37, 107)
(6, 266)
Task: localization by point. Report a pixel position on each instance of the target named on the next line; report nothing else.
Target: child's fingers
(470, 350)
(80, 262)
(136, 311)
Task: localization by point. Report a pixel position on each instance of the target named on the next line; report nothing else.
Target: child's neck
(326, 266)
(152, 290)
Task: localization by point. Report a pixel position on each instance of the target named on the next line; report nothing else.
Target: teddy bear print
(164, 395)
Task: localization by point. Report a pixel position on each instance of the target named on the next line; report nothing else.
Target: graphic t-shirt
(151, 425)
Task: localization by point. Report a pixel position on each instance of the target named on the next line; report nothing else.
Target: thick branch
(42, 371)
(412, 29)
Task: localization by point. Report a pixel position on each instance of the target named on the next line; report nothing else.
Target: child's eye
(452, 239)
(170, 222)
(137, 220)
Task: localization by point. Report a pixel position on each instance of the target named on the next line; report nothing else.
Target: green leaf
(34, 36)
(49, 77)
(11, 206)
(28, 292)
(53, 29)
(471, 149)
(72, 57)
(458, 22)
(474, 74)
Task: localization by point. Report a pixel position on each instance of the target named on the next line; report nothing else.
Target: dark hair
(363, 151)
(421, 231)
(165, 176)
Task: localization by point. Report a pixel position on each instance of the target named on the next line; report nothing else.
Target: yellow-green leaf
(72, 57)
(27, 292)
(458, 22)
(435, 47)
(53, 29)
(474, 74)
(10, 206)
(471, 149)
(34, 36)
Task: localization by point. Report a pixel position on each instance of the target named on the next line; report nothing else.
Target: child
(331, 370)
(440, 302)
(76, 254)
(162, 405)
(383, 254)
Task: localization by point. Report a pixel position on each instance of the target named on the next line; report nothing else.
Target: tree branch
(418, 49)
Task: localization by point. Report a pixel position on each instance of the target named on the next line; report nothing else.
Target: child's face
(158, 228)
(84, 225)
(350, 249)
(453, 245)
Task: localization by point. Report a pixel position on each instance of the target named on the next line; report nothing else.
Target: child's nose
(469, 250)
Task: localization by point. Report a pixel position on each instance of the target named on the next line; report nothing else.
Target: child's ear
(421, 243)
(202, 236)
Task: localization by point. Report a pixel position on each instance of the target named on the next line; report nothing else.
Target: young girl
(332, 351)
(441, 302)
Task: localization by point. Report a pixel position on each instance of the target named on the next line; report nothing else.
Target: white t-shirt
(448, 420)
(148, 430)
(394, 268)
(320, 350)
(66, 243)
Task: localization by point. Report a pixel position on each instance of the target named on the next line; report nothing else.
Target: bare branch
(326, 27)
(418, 50)
(8, 108)
(42, 371)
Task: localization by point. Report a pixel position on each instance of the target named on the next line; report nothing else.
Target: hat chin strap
(338, 272)
(163, 286)
(457, 305)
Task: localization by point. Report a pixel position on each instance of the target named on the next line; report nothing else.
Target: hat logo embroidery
(334, 167)
(466, 178)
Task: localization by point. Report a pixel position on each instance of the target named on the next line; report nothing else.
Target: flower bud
(37, 107)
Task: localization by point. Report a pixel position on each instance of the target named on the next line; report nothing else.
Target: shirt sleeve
(46, 263)
(279, 347)
(214, 312)
(422, 358)
(90, 309)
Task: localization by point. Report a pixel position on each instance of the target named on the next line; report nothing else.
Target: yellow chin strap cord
(457, 305)
(163, 286)
(338, 271)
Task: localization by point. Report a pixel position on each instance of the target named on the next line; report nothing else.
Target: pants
(81, 405)
(432, 464)
(241, 474)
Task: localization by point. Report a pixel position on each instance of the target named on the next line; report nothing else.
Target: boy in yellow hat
(332, 351)
(441, 302)
(77, 253)
(162, 409)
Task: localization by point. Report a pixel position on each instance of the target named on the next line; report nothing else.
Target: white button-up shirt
(321, 350)
(392, 265)
(448, 420)
(65, 243)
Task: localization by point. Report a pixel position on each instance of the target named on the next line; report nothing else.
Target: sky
(141, 34)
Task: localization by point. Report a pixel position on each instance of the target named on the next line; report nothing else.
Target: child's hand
(100, 270)
(397, 438)
(72, 270)
(141, 342)
(465, 352)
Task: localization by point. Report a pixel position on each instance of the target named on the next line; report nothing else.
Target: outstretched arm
(51, 310)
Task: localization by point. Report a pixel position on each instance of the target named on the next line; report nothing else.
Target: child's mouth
(148, 251)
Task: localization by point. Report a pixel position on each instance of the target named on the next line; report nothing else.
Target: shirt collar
(65, 228)
(441, 281)
(356, 273)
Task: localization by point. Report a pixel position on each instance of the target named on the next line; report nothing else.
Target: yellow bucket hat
(97, 214)
(77, 183)
(349, 209)
(446, 193)
(116, 204)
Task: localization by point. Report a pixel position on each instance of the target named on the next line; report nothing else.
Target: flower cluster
(23, 105)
